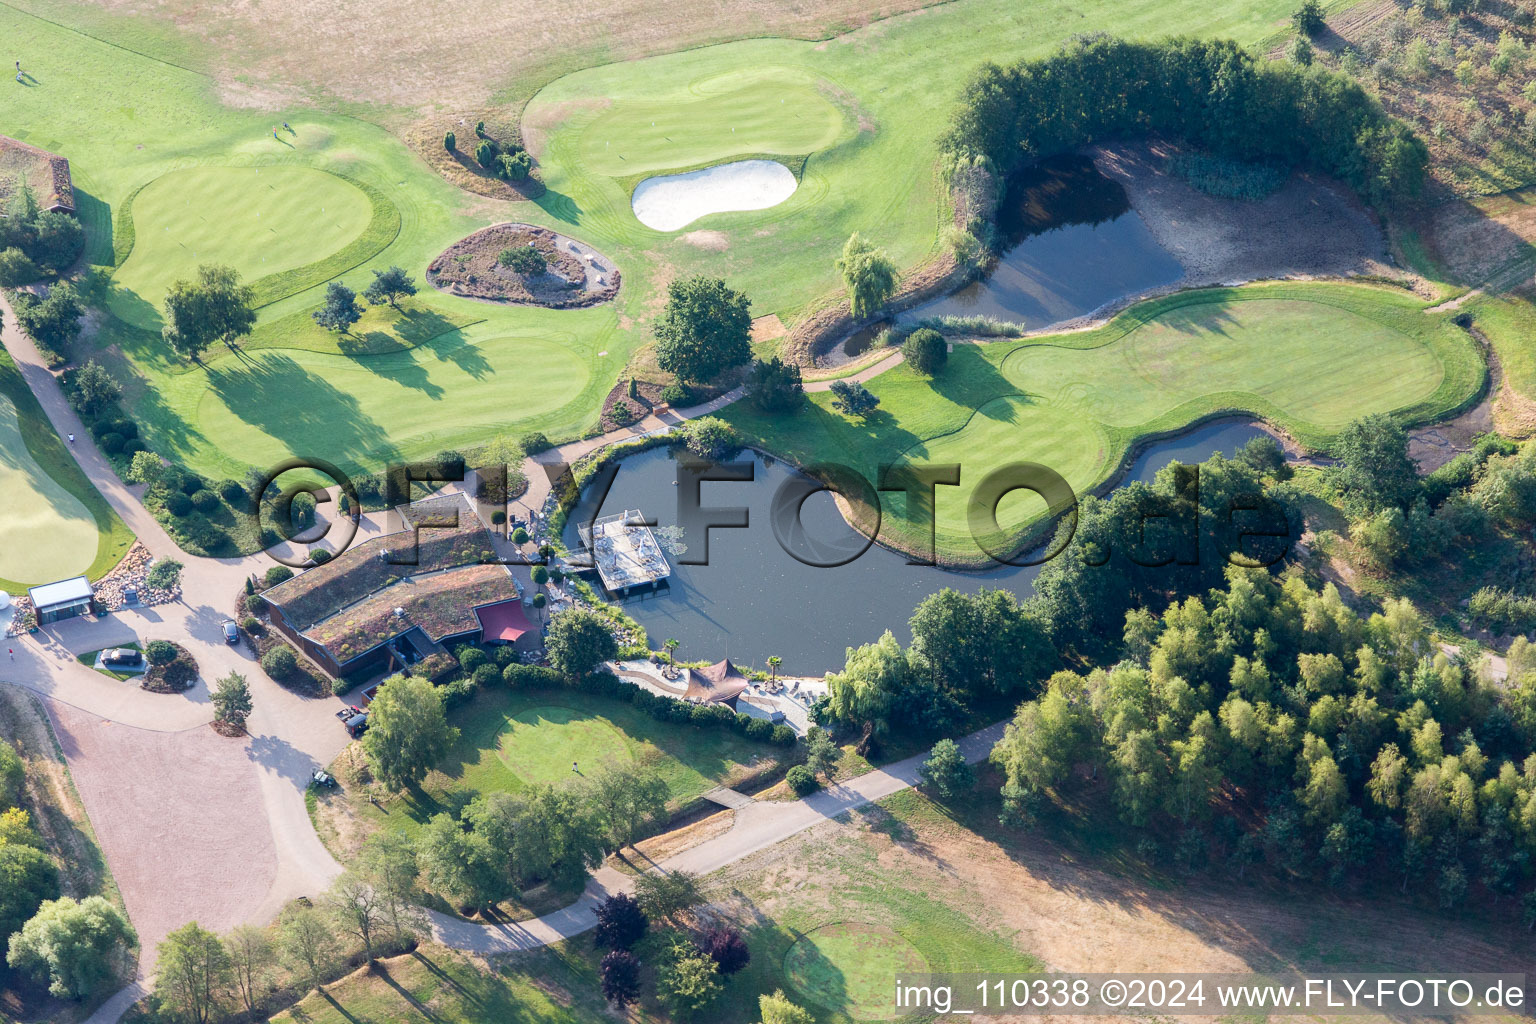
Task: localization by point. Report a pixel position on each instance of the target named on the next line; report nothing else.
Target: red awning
(504, 621)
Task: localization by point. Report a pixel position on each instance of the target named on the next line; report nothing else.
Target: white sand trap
(674, 201)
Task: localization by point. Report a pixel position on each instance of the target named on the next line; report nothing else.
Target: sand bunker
(674, 201)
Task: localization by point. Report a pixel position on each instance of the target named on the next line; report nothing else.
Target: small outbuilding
(62, 600)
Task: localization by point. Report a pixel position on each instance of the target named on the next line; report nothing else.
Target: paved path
(757, 827)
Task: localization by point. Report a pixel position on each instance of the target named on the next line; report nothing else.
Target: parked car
(355, 719)
(231, 631)
(122, 657)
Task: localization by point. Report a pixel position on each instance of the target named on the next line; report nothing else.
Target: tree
(232, 700)
(687, 980)
(879, 687)
(665, 894)
(357, 907)
(946, 771)
(215, 307)
(389, 286)
(251, 958)
(388, 861)
(145, 468)
(802, 781)
(281, 663)
(1308, 18)
(486, 152)
(28, 879)
(306, 942)
(193, 970)
(620, 977)
(54, 321)
(727, 948)
(95, 388)
(578, 641)
(524, 260)
(620, 922)
(628, 802)
(340, 310)
(709, 437)
(165, 574)
(777, 1009)
(461, 865)
(450, 143)
(774, 386)
(13, 775)
(408, 731)
(853, 399)
(869, 274)
(57, 239)
(705, 329)
(1376, 471)
(926, 351)
(76, 945)
(671, 645)
(514, 166)
(1299, 51)
(821, 754)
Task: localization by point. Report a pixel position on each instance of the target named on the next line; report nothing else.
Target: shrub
(620, 922)
(523, 259)
(759, 729)
(255, 604)
(926, 351)
(519, 536)
(320, 556)
(160, 652)
(126, 427)
(535, 443)
(17, 268)
(471, 658)
(485, 153)
(485, 675)
(205, 501)
(112, 444)
(514, 166)
(176, 503)
(622, 413)
(800, 779)
(677, 394)
(709, 437)
(190, 484)
(180, 674)
(498, 517)
(533, 676)
(783, 736)
(774, 386)
(1503, 611)
(133, 446)
(727, 948)
(233, 491)
(252, 625)
(449, 142)
(277, 574)
(280, 662)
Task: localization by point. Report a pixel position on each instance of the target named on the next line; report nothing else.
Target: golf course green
(1308, 358)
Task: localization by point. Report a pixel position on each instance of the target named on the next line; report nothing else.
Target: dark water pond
(754, 600)
(1074, 245)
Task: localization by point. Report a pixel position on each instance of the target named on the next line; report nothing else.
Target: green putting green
(849, 967)
(1310, 358)
(739, 113)
(46, 533)
(259, 220)
(540, 745)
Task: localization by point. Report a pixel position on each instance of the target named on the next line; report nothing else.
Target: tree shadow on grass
(560, 206)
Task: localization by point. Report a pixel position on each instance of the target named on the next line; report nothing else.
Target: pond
(754, 600)
(673, 201)
(1073, 245)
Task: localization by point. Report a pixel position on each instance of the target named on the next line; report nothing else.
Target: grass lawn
(1309, 358)
(342, 196)
(440, 986)
(1509, 323)
(89, 661)
(510, 740)
(53, 522)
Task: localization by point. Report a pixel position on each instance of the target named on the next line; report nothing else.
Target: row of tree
(1210, 92)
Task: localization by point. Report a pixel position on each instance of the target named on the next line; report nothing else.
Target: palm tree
(671, 645)
(773, 668)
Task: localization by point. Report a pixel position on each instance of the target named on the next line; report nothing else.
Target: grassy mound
(848, 967)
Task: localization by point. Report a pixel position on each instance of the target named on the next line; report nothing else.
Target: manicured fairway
(46, 534)
(259, 220)
(849, 966)
(1310, 358)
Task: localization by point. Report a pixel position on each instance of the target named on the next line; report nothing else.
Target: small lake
(754, 600)
(1074, 244)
